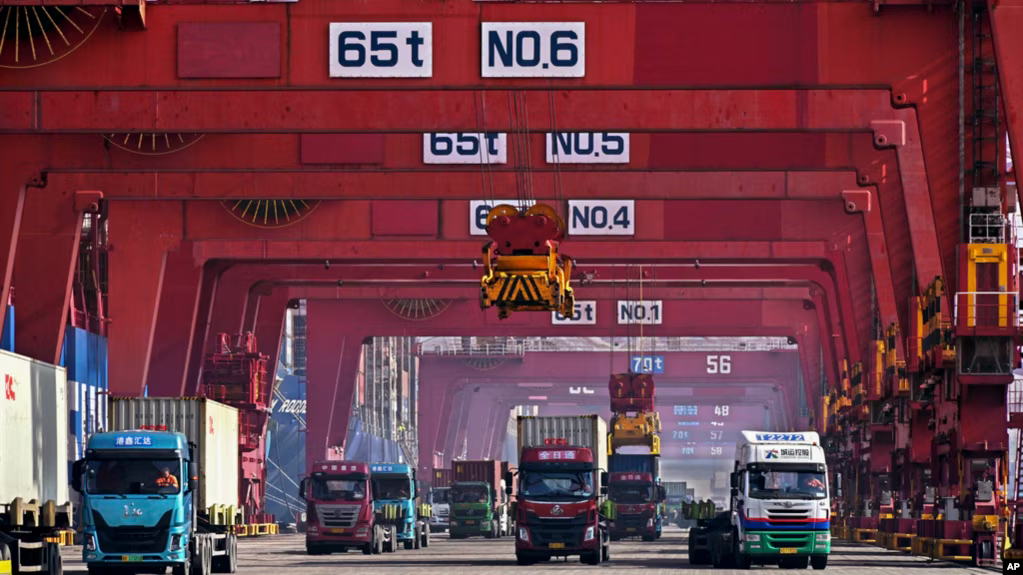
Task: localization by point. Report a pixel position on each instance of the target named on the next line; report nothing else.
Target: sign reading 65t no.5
(381, 50)
(534, 49)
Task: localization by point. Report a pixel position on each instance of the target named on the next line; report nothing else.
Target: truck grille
(784, 517)
(132, 539)
(443, 512)
(568, 531)
(470, 513)
(338, 515)
(637, 520)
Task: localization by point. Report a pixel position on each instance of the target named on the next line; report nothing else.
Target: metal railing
(986, 309)
(456, 346)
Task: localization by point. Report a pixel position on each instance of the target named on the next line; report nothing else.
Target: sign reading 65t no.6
(533, 49)
(381, 50)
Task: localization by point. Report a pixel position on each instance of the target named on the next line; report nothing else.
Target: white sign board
(585, 314)
(601, 217)
(478, 210)
(465, 148)
(640, 312)
(588, 148)
(533, 49)
(381, 50)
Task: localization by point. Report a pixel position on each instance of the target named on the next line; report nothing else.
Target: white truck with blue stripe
(780, 506)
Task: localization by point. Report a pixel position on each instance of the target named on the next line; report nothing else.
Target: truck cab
(340, 510)
(780, 504)
(636, 504)
(556, 514)
(395, 503)
(475, 510)
(440, 509)
(139, 491)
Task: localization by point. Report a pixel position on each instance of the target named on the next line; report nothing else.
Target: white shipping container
(33, 430)
(578, 430)
(212, 426)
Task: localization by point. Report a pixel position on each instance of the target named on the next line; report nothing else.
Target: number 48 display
(721, 410)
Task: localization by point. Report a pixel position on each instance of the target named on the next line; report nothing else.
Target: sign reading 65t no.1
(381, 50)
(533, 49)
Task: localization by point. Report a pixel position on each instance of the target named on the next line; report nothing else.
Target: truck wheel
(378, 540)
(54, 563)
(740, 559)
(606, 552)
(367, 549)
(648, 538)
(225, 563)
(819, 561)
(592, 558)
(426, 538)
(233, 561)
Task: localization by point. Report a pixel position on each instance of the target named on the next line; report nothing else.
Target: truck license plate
(336, 530)
(131, 558)
(470, 522)
(789, 550)
(630, 528)
(557, 546)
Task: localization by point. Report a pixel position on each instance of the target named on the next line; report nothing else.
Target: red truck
(340, 513)
(557, 504)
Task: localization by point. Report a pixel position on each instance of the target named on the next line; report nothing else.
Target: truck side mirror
(302, 488)
(604, 478)
(77, 470)
(508, 481)
(603, 489)
(193, 483)
(735, 492)
(733, 478)
(662, 493)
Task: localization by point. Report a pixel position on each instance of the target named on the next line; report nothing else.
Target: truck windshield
(778, 484)
(469, 494)
(391, 487)
(326, 489)
(439, 496)
(630, 493)
(133, 476)
(556, 484)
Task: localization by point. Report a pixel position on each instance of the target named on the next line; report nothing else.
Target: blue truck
(396, 502)
(636, 496)
(140, 507)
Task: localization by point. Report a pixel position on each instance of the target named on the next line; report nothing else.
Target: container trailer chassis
(26, 534)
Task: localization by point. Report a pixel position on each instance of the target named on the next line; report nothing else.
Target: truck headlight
(752, 538)
(589, 533)
(823, 537)
(453, 523)
(523, 533)
(90, 542)
(176, 542)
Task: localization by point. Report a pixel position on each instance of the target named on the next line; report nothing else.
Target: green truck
(479, 506)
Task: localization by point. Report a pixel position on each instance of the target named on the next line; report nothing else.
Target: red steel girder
(811, 109)
(44, 268)
(1007, 28)
(211, 111)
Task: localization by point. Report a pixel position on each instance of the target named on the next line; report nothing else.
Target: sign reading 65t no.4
(533, 49)
(381, 50)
